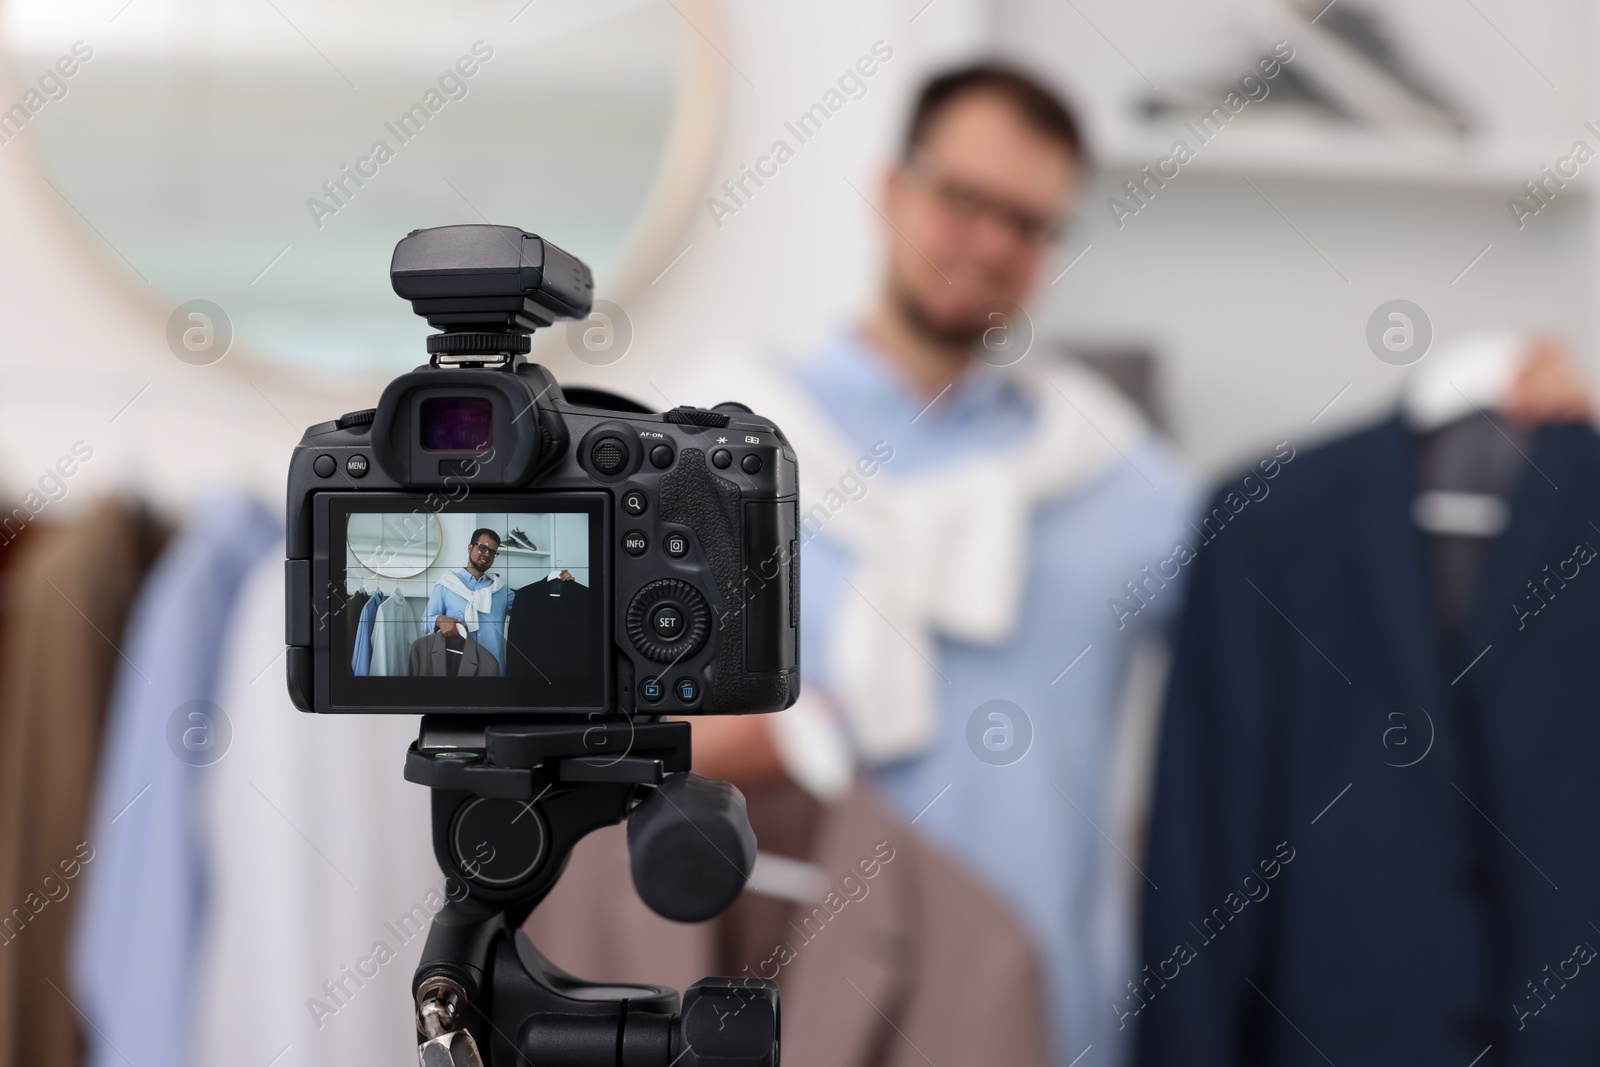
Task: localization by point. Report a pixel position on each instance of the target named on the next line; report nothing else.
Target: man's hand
(447, 625)
(566, 576)
(737, 749)
(1550, 387)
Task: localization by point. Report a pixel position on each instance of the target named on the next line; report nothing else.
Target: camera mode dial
(668, 620)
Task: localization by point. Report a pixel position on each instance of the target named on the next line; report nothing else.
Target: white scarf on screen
(479, 601)
(943, 552)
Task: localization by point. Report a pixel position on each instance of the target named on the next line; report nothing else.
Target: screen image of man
(468, 603)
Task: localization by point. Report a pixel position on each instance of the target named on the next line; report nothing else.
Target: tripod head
(510, 799)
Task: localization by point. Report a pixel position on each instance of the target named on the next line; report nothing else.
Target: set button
(667, 621)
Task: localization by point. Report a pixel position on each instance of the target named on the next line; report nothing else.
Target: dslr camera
(486, 543)
(545, 575)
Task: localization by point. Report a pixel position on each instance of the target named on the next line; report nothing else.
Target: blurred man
(965, 523)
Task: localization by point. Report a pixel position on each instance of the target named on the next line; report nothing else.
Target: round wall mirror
(265, 157)
(393, 546)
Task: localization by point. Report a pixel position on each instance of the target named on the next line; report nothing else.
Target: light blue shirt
(1033, 829)
(361, 656)
(491, 632)
(143, 907)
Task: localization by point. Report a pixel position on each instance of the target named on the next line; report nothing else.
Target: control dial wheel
(668, 620)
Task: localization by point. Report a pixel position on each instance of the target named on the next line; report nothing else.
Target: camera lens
(457, 423)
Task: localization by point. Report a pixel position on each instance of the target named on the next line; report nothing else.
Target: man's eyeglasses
(482, 547)
(969, 203)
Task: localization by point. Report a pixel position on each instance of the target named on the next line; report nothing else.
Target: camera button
(609, 455)
(722, 459)
(751, 464)
(356, 466)
(687, 690)
(634, 502)
(652, 690)
(325, 466)
(676, 545)
(661, 455)
(634, 542)
(667, 621)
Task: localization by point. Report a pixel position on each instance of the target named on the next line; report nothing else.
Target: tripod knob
(728, 1022)
(691, 848)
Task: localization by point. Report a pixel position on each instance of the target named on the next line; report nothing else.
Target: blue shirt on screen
(491, 632)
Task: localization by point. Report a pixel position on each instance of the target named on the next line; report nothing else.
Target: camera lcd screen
(484, 604)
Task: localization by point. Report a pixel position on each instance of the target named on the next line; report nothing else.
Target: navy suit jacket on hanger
(1366, 848)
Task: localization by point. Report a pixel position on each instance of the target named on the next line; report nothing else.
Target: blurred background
(179, 163)
(196, 224)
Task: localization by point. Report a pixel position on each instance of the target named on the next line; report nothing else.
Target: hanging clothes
(318, 851)
(1360, 827)
(394, 628)
(134, 947)
(449, 656)
(361, 646)
(547, 633)
(350, 615)
(69, 589)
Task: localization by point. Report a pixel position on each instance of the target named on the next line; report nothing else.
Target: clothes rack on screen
(361, 654)
(395, 626)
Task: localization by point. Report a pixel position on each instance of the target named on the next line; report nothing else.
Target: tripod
(510, 799)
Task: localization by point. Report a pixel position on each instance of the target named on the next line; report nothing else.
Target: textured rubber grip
(693, 496)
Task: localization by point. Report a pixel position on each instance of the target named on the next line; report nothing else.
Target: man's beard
(958, 337)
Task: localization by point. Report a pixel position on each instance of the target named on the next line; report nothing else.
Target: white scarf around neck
(479, 601)
(942, 552)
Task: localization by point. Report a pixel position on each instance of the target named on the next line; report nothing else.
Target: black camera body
(661, 575)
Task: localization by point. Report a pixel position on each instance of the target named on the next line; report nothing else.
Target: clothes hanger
(1468, 377)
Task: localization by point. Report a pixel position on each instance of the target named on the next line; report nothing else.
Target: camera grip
(711, 506)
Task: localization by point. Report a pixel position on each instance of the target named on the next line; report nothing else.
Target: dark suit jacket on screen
(427, 659)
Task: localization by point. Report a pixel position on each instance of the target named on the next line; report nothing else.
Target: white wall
(1256, 331)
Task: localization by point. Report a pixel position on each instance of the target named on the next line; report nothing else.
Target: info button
(634, 542)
